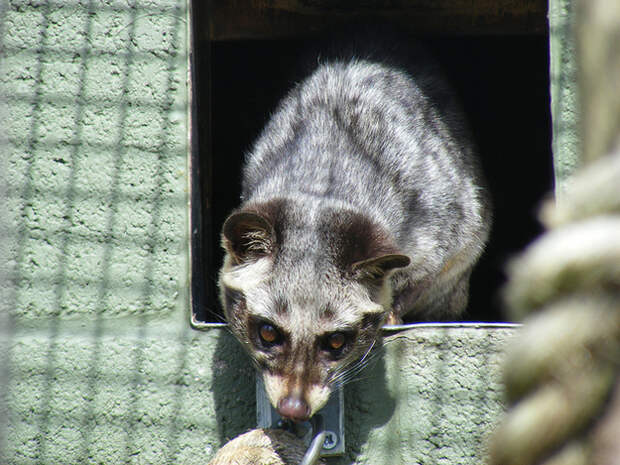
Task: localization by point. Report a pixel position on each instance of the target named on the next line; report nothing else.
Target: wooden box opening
(500, 69)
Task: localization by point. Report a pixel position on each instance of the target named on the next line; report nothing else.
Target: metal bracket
(332, 414)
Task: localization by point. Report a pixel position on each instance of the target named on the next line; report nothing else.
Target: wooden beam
(265, 19)
(598, 31)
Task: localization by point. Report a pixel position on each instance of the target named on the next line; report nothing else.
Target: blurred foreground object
(562, 371)
(262, 447)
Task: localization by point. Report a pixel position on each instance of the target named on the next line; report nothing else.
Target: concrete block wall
(124, 392)
(94, 234)
(159, 393)
(95, 155)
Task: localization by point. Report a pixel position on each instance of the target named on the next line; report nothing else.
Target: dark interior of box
(502, 81)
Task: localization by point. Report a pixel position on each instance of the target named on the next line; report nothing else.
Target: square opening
(500, 74)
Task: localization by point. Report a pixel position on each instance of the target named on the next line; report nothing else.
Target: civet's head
(306, 293)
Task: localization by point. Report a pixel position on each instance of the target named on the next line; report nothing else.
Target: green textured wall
(122, 392)
(96, 103)
(93, 229)
(432, 398)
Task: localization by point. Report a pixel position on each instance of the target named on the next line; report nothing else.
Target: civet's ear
(378, 267)
(247, 236)
(367, 249)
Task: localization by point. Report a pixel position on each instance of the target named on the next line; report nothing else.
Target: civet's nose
(294, 408)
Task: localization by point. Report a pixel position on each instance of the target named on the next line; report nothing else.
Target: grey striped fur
(362, 201)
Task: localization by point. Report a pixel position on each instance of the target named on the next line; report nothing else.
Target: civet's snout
(294, 408)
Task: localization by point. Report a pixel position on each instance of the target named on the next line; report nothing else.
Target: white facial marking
(247, 276)
(274, 387)
(317, 396)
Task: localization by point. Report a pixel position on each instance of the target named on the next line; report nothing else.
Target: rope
(562, 372)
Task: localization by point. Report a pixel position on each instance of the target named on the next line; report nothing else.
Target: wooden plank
(263, 19)
(598, 23)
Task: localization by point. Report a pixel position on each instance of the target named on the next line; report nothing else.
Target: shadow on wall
(234, 389)
(368, 405)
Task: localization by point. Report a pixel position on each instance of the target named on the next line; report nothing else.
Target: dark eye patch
(265, 334)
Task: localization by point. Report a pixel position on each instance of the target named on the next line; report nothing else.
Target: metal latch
(332, 416)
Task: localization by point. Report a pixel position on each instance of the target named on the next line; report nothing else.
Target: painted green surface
(124, 392)
(564, 93)
(93, 232)
(432, 399)
(96, 155)
(132, 391)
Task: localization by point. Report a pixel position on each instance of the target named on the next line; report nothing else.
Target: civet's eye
(335, 341)
(268, 334)
(336, 344)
